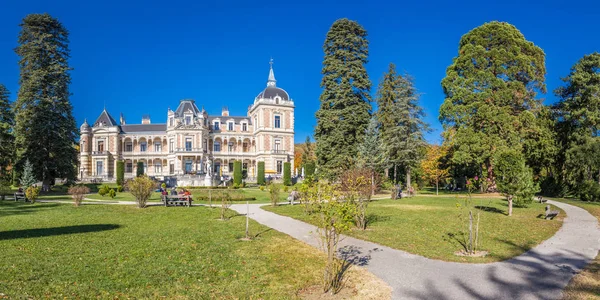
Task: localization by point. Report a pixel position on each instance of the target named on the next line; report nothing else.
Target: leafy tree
(491, 90)
(287, 174)
(6, 136)
(433, 166)
(120, 172)
(308, 151)
(141, 188)
(515, 179)
(28, 178)
(140, 169)
(578, 120)
(274, 193)
(345, 107)
(260, 177)
(237, 172)
(45, 129)
(401, 122)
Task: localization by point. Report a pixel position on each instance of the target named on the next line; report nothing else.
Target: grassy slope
(55, 251)
(585, 285)
(421, 225)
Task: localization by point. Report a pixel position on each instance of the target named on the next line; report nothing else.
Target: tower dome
(85, 127)
(272, 91)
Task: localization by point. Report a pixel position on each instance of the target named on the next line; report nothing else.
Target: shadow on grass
(457, 237)
(373, 218)
(262, 232)
(491, 209)
(21, 208)
(52, 231)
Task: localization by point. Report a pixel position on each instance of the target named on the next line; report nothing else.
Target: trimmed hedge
(260, 177)
(287, 173)
(140, 169)
(120, 172)
(237, 172)
(309, 169)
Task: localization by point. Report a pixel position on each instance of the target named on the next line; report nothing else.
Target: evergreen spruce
(45, 129)
(491, 90)
(345, 107)
(28, 179)
(260, 177)
(370, 151)
(6, 136)
(401, 122)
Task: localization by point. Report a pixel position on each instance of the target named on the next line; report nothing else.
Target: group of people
(184, 192)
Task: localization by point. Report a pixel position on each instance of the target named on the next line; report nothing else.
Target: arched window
(217, 147)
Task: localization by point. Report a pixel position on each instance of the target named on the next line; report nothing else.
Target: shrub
(237, 172)
(140, 169)
(119, 188)
(309, 169)
(141, 188)
(260, 177)
(552, 187)
(225, 204)
(285, 188)
(274, 193)
(262, 187)
(4, 190)
(287, 173)
(164, 186)
(104, 190)
(78, 192)
(120, 172)
(32, 193)
(589, 190)
(112, 193)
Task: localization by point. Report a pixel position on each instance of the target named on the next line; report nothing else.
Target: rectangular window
(128, 147)
(204, 146)
(216, 126)
(171, 168)
(143, 147)
(188, 144)
(157, 168)
(171, 145)
(129, 167)
(277, 145)
(230, 147)
(244, 127)
(157, 147)
(217, 147)
(230, 126)
(170, 121)
(231, 167)
(277, 121)
(188, 120)
(100, 146)
(279, 167)
(99, 169)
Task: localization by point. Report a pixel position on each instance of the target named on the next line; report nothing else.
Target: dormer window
(277, 121)
(230, 126)
(171, 121)
(188, 120)
(244, 127)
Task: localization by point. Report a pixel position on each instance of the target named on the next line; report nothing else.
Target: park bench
(20, 196)
(550, 213)
(175, 200)
(541, 199)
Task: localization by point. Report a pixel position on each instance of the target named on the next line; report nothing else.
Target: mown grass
(52, 250)
(250, 193)
(586, 284)
(431, 226)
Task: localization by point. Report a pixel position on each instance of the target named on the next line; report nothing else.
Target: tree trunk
(408, 178)
(510, 204)
(395, 179)
(372, 183)
(470, 250)
(437, 183)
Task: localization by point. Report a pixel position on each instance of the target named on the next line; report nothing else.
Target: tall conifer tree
(345, 107)
(45, 129)
(401, 122)
(491, 90)
(6, 135)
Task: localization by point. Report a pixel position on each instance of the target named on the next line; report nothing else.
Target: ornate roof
(105, 119)
(185, 106)
(272, 90)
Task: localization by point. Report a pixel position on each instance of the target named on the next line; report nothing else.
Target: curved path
(540, 273)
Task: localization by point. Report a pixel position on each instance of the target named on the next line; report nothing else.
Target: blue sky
(142, 57)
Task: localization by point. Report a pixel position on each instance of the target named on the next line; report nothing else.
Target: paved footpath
(540, 273)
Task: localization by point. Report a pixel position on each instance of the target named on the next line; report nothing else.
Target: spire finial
(271, 81)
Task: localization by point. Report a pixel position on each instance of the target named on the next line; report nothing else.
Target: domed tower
(272, 116)
(84, 149)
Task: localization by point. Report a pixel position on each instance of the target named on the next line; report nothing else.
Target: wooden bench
(550, 213)
(20, 196)
(175, 200)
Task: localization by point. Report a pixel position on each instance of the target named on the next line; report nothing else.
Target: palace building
(193, 142)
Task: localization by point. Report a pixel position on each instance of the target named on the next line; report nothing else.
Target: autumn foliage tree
(433, 167)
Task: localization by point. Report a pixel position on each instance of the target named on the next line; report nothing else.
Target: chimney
(225, 111)
(146, 119)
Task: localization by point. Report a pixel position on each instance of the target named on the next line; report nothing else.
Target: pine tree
(401, 121)
(45, 129)
(345, 107)
(370, 152)
(6, 136)
(28, 179)
(491, 90)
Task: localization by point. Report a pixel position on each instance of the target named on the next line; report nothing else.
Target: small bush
(274, 193)
(163, 185)
(589, 190)
(119, 188)
(262, 187)
(78, 192)
(112, 193)
(32, 193)
(104, 190)
(141, 188)
(285, 189)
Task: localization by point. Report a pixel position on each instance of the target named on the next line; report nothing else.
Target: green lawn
(51, 250)
(422, 225)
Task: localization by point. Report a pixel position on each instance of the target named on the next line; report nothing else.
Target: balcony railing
(278, 151)
(190, 150)
(100, 152)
